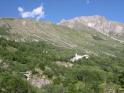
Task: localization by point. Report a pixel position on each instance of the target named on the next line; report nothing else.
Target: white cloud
(36, 13)
(20, 9)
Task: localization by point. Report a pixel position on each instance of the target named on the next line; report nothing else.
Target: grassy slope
(88, 41)
(87, 76)
(94, 74)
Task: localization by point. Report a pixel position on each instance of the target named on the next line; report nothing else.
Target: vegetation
(102, 72)
(7, 18)
(13, 84)
(86, 76)
(3, 30)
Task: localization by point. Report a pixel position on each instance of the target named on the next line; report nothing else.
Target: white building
(78, 57)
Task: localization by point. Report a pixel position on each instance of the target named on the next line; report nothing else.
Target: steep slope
(97, 74)
(99, 23)
(87, 40)
(35, 58)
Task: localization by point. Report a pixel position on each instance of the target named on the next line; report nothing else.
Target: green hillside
(38, 47)
(88, 40)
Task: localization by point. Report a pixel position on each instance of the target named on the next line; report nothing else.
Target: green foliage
(7, 19)
(3, 31)
(86, 76)
(14, 84)
(121, 79)
(97, 37)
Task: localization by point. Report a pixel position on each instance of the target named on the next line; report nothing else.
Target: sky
(56, 10)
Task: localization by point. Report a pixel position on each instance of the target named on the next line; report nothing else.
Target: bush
(12, 84)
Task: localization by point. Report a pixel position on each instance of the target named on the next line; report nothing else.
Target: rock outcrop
(99, 23)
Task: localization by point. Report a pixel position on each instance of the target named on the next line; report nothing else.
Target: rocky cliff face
(99, 23)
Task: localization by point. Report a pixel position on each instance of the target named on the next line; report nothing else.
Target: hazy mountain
(99, 23)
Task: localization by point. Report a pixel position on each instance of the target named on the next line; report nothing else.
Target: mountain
(87, 40)
(42, 57)
(99, 23)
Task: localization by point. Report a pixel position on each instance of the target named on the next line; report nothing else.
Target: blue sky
(55, 10)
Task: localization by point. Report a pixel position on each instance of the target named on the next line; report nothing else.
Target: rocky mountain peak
(99, 23)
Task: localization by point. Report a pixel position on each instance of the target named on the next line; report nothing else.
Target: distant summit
(99, 23)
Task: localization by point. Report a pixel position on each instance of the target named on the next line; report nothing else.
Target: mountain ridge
(99, 23)
(87, 40)
(40, 57)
